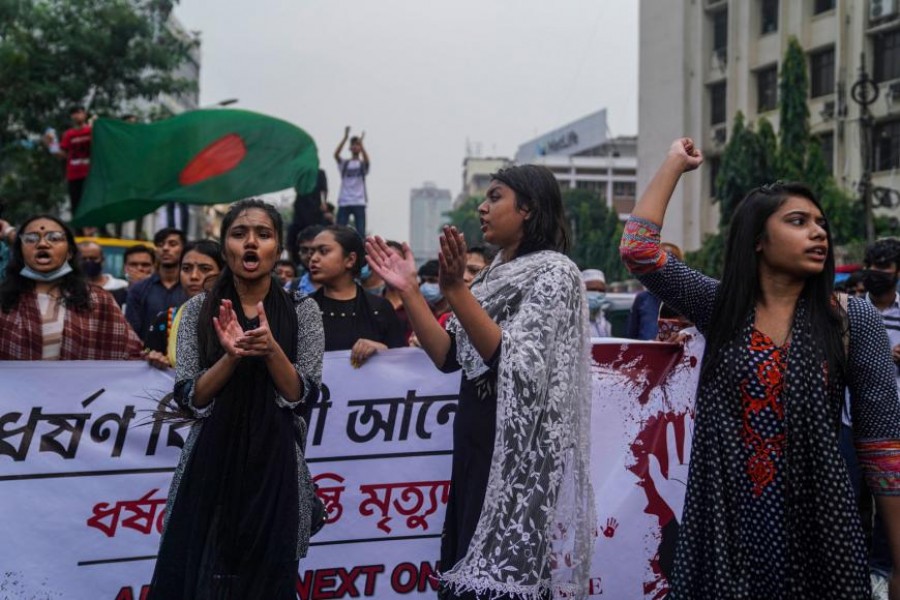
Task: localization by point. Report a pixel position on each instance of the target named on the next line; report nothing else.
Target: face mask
(378, 291)
(878, 282)
(595, 300)
(91, 268)
(432, 293)
(30, 273)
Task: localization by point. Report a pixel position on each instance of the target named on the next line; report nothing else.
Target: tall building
(477, 176)
(428, 208)
(582, 156)
(701, 62)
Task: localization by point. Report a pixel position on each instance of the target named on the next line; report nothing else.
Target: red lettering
(125, 594)
(595, 588)
(324, 583)
(428, 577)
(337, 582)
(402, 570)
(145, 591)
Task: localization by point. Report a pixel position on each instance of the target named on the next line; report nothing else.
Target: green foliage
(755, 158)
(793, 132)
(710, 258)
(596, 231)
(465, 218)
(58, 53)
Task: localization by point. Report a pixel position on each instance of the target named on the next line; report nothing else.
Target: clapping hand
(259, 341)
(452, 259)
(398, 271)
(239, 343)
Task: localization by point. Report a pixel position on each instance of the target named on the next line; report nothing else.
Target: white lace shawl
(537, 524)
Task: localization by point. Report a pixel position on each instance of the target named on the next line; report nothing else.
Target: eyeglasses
(33, 237)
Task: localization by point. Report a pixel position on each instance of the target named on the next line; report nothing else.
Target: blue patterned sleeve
(874, 404)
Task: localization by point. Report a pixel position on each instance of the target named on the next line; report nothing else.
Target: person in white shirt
(595, 285)
(352, 199)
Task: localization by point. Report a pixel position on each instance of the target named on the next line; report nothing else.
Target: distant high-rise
(428, 208)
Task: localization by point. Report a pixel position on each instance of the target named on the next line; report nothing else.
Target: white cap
(593, 275)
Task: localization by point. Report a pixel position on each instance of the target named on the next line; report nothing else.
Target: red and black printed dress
(769, 511)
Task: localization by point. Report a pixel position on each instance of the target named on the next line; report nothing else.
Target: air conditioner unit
(880, 9)
(719, 135)
(894, 91)
(827, 111)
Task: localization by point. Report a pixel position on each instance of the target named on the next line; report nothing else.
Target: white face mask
(59, 273)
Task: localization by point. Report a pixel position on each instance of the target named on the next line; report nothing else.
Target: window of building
(887, 56)
(590, 170)
(827, 142)
(717, 110)
(564, 184)
(624, 172)
(820, 6)
(768, 16)
(767, 89)
(720, 30)
(594, 186)
(624, 189)
(821, 73)
(887, 146)
(713, 163)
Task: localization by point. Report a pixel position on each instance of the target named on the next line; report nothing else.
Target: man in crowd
(75, 148)
(595, 287)
(92, 260)
(309, 209)
(139, 263)
(305, 250)
(161, 290)
(352, 198)
(285, 272)
(882, 262)
(477, 258)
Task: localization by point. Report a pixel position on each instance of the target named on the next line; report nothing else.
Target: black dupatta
(232, 532)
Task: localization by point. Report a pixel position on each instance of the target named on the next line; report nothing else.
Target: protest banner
(84, 474)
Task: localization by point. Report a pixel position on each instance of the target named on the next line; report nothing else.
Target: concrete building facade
(703, 61)
(428, 208)
(582, 156)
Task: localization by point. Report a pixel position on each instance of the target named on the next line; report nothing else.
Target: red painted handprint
(611, 526)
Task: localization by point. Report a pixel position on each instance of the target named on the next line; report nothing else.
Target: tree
(465, 218)
(596, 231)
(793, 132)
(59, 53)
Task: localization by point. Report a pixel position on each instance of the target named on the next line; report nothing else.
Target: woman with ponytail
(249, 360)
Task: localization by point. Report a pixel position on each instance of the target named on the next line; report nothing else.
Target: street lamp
(865, 92)
(226, 102)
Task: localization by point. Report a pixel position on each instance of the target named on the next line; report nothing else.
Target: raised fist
(686, 153)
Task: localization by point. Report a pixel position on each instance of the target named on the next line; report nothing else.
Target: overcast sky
(420, 77)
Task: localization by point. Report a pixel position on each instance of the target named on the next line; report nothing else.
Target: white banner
(84, 475)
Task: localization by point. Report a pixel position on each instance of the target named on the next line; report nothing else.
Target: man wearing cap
(595, 285)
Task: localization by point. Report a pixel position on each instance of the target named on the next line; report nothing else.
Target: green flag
(198, 157)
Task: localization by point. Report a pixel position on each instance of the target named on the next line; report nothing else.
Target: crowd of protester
(58, 301)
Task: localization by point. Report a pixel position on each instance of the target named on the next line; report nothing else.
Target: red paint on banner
(221, 156)
(646, 365)
(126, 593)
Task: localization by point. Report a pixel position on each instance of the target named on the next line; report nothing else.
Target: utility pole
(865, 92)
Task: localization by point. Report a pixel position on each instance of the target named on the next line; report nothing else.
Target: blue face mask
(30, 273)
(377, 291)
(431, 292)
(595, 300)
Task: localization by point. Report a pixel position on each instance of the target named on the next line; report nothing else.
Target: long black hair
(210, 248)
(350, 242)
(75, 288)
(740, 288)
(537, 191)
(224, 284)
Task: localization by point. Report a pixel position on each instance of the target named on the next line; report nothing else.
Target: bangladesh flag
(198, 157)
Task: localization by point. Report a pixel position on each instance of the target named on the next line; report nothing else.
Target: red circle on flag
(221, 156)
